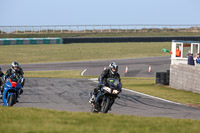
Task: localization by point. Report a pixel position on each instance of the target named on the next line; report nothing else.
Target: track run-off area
(73, 94)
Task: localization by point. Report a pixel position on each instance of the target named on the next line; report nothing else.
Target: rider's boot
(1, 92)
(21, 91)
(92, 99)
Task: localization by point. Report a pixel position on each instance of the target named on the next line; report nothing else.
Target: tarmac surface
(137, 67)
(73, 94)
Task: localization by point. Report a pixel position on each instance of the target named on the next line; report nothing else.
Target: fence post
(93, 28)
(135, 28)
(118, 28)
(32, 30)
(85, 29)
(54, 28)
(39, 29)
(77, 28)
(16, 29)
(178, 27)
(152, 28)
(61, 30)
(24, 29)
(126, 28)
(9, 29)
(1, 30)
(110, 29)
(47, 29)
(69, 29)
(101, 28)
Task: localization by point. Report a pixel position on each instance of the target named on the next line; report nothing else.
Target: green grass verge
(77, 52)
(32, 120)
(112, 34)
(141, 84)
(56, 74)
(148, 86)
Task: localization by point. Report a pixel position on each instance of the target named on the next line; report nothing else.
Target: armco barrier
(127, 39)
(21, 41)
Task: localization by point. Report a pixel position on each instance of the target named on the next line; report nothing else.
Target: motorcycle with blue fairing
(106, 96)
(11, 90)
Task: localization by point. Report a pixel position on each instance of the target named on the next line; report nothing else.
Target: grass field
(141, 84)
(32, 120)
(112, 34)
(77, 52)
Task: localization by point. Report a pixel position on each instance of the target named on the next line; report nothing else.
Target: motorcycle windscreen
(113, 82)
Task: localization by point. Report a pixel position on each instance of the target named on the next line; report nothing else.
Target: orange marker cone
(126, 70)
(149, 69)
(104, 68)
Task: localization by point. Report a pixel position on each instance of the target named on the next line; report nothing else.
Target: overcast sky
(85, 12)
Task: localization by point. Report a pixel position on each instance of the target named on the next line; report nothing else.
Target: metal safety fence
(46, 29)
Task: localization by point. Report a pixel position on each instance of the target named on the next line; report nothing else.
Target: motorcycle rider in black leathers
(111, 72)
(1, 81)
(15, 68)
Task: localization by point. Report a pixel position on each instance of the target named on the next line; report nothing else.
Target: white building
(185, 47)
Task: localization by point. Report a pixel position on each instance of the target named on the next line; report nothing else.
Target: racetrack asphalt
(73, 94)
(137, 67)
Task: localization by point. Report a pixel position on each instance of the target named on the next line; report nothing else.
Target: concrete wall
(185, 77)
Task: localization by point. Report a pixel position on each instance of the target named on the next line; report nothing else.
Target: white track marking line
(139, 93)
(94, 79)
(151, 96)
(83, 72)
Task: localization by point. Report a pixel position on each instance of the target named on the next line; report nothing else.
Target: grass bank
(141, 84)
(111, 34)
(32, 120)
(147, 85)
(78, 52)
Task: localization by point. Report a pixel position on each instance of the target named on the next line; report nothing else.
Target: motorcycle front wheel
(105, 105)
(11, 100)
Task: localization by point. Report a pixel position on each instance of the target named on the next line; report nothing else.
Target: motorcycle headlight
(107, 89)
(115, 92)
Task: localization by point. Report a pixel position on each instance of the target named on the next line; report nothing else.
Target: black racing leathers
(103, 79)
(1, 81)
(20, 73)
(9, 72)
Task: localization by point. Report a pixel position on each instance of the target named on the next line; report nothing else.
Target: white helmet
(15, 66)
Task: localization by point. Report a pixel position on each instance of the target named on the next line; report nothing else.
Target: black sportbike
(106, 96)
